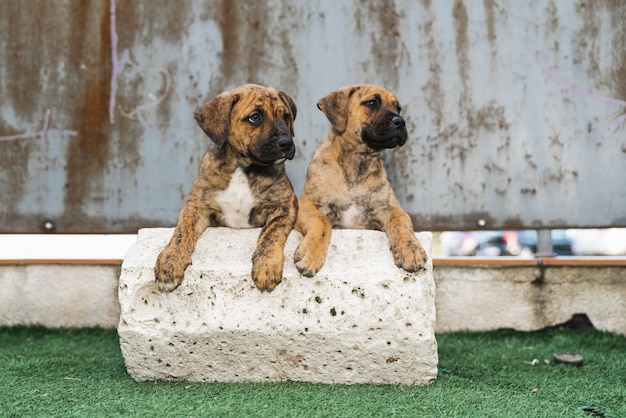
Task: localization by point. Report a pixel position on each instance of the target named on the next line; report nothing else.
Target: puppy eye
(287, 117)
(255, 119)
(372, 104)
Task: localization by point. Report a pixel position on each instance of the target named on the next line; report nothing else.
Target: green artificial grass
(80, 372)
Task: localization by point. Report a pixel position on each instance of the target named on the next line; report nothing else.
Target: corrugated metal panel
(515, 108)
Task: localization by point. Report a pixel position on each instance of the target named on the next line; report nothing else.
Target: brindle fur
(346, 184)
(259, 149)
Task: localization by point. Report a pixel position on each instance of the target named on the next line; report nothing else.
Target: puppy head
(254, 121)
(365, 112)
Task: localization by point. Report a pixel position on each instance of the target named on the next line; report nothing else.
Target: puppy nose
(397, 122)
(285, 143)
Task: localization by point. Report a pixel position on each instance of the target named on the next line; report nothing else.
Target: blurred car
(501, 243)
(609, 241)
(463, 243)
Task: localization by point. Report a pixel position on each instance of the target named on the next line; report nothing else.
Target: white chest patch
(351, 217)
(236, 201)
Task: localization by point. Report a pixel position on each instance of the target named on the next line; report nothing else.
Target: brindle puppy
(241, 182)
(346, 184)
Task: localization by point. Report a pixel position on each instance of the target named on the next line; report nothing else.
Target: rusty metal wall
(515, 108)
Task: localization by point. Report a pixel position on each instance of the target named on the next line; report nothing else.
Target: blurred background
(523, 243)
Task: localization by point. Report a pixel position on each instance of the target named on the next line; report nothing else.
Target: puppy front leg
(406, 249)
(269, 257)
(176, 256)
(317, 230)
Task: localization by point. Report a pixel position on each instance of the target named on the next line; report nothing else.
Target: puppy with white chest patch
(241, 182)
(346, 184)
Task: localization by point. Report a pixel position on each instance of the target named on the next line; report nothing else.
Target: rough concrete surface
(59, 295)
(360, 320)
(478, 298)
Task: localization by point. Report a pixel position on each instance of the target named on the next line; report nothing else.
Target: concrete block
(59, 295)
(360, 320)
(598, 292)
(479, 299)
(529, 298)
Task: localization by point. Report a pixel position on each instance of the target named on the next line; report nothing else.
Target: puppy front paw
(308, 258)
(410, 256)
(267, 271)
(170, 269)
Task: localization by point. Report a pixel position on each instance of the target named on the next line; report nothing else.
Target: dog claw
(413, 269)
(167, 285)
(411, 259)
(305, 271)
(266, 284)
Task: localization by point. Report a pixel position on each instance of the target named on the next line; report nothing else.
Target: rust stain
(462, 44)
(256, 46)
(470, 221)
(491, 118)
(494, 14)
(13, 174)
(381, 21)
(444, 222)
(459, 139)
(587, 52)
(140, 21)
(230, 22)
(617, 74)
(552, 22)
(138, 24)
(433, 89)
(490, 18)
(88, 154)
(27, 51)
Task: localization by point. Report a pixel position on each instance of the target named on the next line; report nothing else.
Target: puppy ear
(290, 103)
(292, 107)
(214, 116)
(335, 107)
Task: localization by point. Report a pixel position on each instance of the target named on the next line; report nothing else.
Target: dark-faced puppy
(241, 182)
(346, 184)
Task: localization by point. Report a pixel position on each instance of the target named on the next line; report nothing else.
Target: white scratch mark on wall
(115, 65)
(118, 64)
(566, 85)
(42, 135)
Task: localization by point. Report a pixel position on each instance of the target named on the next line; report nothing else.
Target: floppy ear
(214, 116)
(292, 107)
(335, 107)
